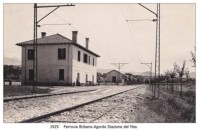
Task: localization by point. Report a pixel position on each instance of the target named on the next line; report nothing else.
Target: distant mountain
(103, 70)
(147, 73)
(192, 74)
(133, 73)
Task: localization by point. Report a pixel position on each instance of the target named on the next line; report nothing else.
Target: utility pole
(35, 62)
(150, 66)
(157, 50)
(119, 65)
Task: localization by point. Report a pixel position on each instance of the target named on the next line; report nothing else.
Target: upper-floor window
(30, 54)
(62, 53)
(79, 56)
(85, 58)
(93, 61)
(89, 61)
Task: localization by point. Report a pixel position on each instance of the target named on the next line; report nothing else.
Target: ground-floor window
(93, 78)
(61, 74)
(86, 77)
(31, 74)
(78, 77)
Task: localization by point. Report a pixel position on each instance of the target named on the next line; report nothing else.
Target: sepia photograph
(99, 63)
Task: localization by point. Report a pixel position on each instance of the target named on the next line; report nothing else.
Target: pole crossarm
(47, 14)
(35, 62)
(119, 65)
(53, 24)
(55, 6)
(148, 9)
(154, 20)
(147, 64)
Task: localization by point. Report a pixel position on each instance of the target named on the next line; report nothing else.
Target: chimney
(87, 42)
(74, 36)
(43, 34)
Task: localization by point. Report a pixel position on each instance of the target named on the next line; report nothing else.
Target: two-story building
(60, 61)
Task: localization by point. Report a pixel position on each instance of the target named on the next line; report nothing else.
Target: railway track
(44, 95)
(47, 115)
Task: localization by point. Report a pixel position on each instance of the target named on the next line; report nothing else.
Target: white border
(141, 126)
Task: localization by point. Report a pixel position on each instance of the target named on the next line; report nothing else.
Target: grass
(17, 90)
(174, 108)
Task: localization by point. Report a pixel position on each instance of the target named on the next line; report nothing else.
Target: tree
(172, 74)
(193, 57)
(181, 71)
(167, 77)
(187, 74)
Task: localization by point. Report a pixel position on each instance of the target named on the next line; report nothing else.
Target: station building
(60, 61)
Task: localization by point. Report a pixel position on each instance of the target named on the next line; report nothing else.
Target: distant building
(114, 77)
(61, 61)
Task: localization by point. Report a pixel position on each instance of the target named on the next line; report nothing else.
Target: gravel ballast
(122, 108)
(16, 111)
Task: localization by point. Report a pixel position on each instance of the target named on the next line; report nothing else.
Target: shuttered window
(79, 56)
(61, 53)
(30, 54)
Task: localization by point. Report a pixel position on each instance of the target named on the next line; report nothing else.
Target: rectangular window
(61, 74)
(61, 53)
(93, 61)
(30, 54)
(79, 56)
(78, 77)
(31, 74)
(93, 78)
(85, 58)
(86, 78)
(89, 60)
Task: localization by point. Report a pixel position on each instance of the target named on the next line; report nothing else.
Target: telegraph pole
(119, 65)
(157, 50)
(35, 62)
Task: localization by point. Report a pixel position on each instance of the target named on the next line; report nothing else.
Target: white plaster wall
(83, 68)
(48, 63)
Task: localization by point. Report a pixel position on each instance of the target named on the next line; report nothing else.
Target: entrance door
(114, 79)
(78, 79)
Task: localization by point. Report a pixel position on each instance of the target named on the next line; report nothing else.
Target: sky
(111, 36)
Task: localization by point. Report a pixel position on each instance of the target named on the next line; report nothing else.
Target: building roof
(112, 71)
(55, 39)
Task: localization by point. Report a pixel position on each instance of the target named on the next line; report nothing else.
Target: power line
(91, 41)
(142, 20)
(35, 26)
(131, 33)
(157, 50)
(119, 65)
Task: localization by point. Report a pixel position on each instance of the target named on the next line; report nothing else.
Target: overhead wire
(108, 53)
(131, 33)
(82, 34)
